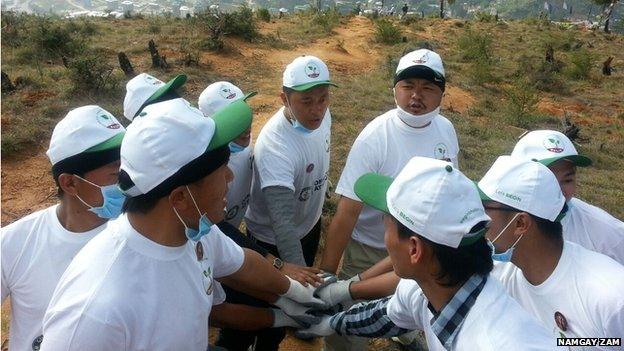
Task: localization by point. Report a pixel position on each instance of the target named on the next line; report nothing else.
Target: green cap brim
(108, 144)
(482, 195)
(308, 86)
(230, 122)
(371, 188)
(578, 160)
(171, 85)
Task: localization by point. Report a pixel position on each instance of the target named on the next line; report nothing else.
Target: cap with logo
(88, 137)
(525, 185)
(306, 72)
(422, 63)
(218, 95)
(176, 145)
(145, 89)
(547, 147)
(431, 198)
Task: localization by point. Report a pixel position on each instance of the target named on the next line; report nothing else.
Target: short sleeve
(228, 256)
(273, 167)
(361, 160)
(406, 305)
(65, 331)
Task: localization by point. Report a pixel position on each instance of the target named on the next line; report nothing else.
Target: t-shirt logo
(441, 152)
(552, 143)
(231, 213)
(304, 195)
(36, 344)
(312, 70)
(423, 59)
(209, 284)
(226, 93)
(310, 168)
(107, 121)
(199, 251)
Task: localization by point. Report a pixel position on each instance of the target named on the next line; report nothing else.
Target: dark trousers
(266, 339)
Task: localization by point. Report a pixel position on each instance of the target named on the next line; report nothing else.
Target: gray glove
(301, 314)
(281, 319)
(321, 329)
(335, 293)
(304, 295)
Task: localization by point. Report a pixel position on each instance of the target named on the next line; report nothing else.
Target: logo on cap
(153, 80)
(312, 70)
(423, 59)
(552, 143)
(108, 122)
(227, 93)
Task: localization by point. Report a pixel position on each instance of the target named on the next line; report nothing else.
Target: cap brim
(171, 85)
(419, 71)
(578, 160)
(230, 122)
(251, 94)
(108, 144)
(482, 195)
(308, 86)
(371, 188)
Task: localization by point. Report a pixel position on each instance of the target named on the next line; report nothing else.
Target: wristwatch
(277, 263)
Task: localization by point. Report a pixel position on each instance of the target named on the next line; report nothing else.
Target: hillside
(498, 85)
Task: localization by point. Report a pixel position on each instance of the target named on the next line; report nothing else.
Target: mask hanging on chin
(235, 148)
(204, 226)
(417, 121)
(295, 123)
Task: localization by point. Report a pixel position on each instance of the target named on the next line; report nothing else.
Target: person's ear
(523, 223)
(417, 250)
(178, 198)
(67, 182)
(284, 99)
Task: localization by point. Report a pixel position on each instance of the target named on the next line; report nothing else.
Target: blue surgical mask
(234, 147)
(204, 226)
(113, 201)
(507, 254)
(298, 126)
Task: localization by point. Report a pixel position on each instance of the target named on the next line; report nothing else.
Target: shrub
(52, 40)
(91, 74)
(264, 15)
(521, 103)
(241, 24)
(387, 33)
(476, 48)
(581, 64)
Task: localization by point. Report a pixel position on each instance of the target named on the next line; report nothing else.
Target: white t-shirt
(241, 164)
(35, 252)
(594, 229)
(586, 288)
(495, 322)
(126, 292)
(286, 157)
(385, 146)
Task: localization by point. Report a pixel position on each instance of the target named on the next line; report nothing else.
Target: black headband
(85, 162)
(193, 171)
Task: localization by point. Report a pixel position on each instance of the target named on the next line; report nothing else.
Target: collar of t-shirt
(396, 120)
(447, 323)
(556, 278)
(68, 236)
(146, 247)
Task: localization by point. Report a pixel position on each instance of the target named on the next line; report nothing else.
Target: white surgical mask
(417, 121)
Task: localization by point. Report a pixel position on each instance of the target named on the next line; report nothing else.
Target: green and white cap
(306, 72)
(218, 95)
(431, 198)
(84, 129)
(145, 89)
(170, 135)
(547, 147)
(525, 185)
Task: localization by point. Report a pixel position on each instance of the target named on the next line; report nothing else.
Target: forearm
(367, 319)
(257, 276)
(281, 210)
(381, 267)
(375, 288)
(339, 233)
(241, 317)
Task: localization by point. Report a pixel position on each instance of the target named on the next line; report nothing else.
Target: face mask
(234, 147)
(204, 223)
(298, 126)
(417, 121)
(504, 256)
(113, 201)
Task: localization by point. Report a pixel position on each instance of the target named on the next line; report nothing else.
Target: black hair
(82, 163)
(288, 91)
(457, 265)
(551, 230)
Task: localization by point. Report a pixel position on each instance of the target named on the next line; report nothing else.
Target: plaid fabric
(368, 319)
(446, 324)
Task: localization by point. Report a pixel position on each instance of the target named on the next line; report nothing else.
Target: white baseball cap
(547, 147)
(306, 72)
(145, 89)
(525, 185)
(431, 198)
(218, 95)
(170, 135)
(84, 129)
(422, 63)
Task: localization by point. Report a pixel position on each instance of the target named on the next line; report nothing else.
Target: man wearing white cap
(584, 224)
(214, 98)
(147, 283)
(291, 165)
(435, 225)
(414, 128)
(144, 90)
(84, 152)
(573, 291)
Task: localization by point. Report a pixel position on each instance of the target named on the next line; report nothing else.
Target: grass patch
(386, 32)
